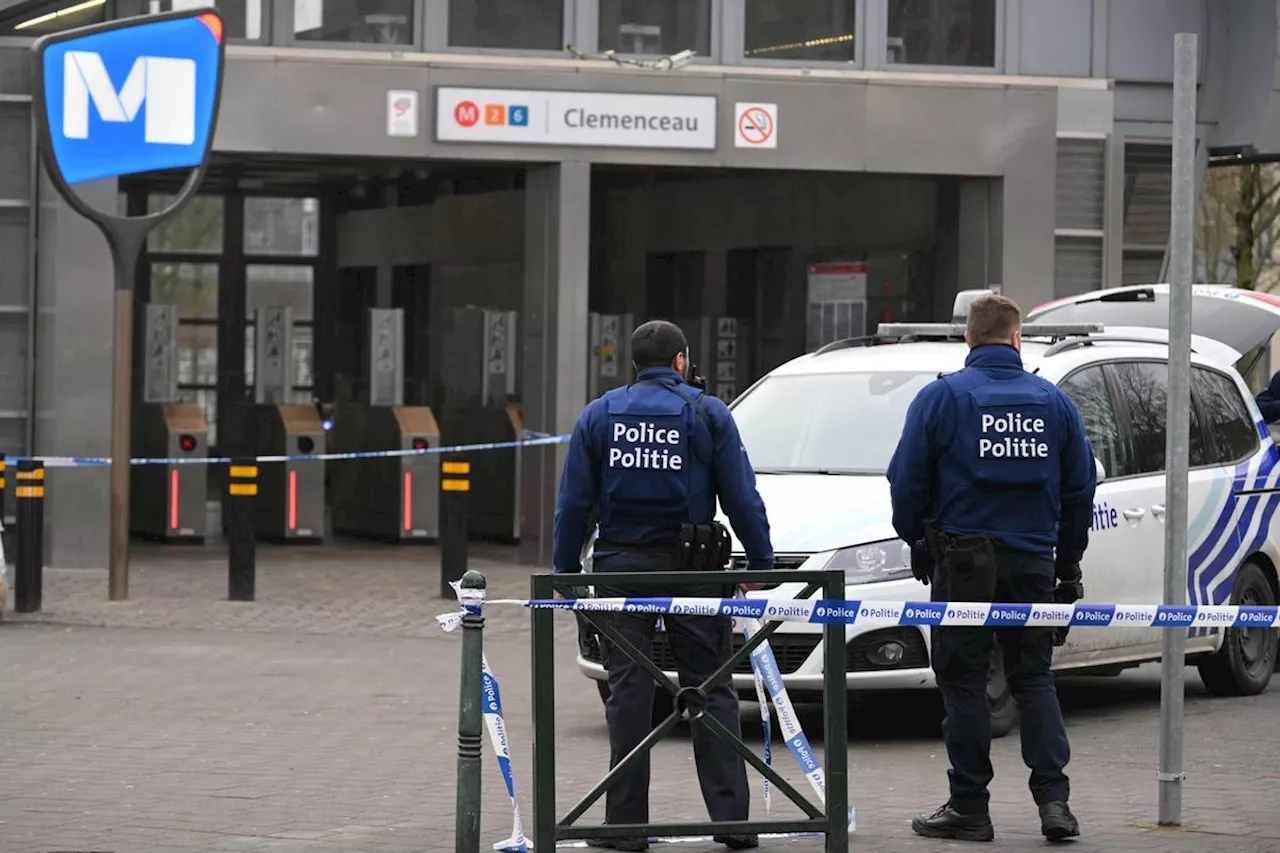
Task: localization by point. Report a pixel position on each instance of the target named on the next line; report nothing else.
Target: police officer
(651, 459)
(992, 482)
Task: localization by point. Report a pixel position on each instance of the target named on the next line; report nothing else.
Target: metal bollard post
(470, 725)
(242, 488)
(28, 580)
(453, 523)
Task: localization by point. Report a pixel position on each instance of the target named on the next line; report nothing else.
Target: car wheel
(1004, 711)
(662, 701)
(1243, 666)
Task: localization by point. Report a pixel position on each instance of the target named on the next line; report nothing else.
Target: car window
(1144, 388)
(1228, 418)
(837, 422)
(1088, 390)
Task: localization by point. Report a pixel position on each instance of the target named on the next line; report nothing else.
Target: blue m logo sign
(133, 96)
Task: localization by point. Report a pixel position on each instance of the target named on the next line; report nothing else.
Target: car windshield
(836, 423)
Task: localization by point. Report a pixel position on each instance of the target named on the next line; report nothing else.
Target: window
(281, 226)
(817, 30)
(1148, 183)
(655, 27)
(196, 228)
(1087, 388)
(942, 32)
(846, 423)
(282, 285)
(241, 19)
(510, 24)
(191, 287)
(1144, 386)
(1234, 432)
(361, 21)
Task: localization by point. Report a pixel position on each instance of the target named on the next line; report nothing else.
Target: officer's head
(658, 343)
(994, 319)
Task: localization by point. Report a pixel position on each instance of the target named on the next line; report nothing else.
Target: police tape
(531, 439)
(764, 668)
(929, 613)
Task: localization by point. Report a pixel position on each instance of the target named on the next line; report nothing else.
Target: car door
(1143, 385)
(1237, 511)
(1120, 530)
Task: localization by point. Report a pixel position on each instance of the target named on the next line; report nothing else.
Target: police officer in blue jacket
(992, 483)
(651, 459)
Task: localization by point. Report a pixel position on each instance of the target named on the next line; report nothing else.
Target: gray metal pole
(1178, 448)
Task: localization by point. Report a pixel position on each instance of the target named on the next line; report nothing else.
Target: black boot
(1057, 823)
(948, 823)
(623, 845)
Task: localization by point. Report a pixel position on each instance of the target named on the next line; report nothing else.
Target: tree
(1237, 230)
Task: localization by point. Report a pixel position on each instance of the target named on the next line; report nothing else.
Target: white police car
(821, 429)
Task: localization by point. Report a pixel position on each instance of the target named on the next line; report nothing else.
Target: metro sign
(134, 95)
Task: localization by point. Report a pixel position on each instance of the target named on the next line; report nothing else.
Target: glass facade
(655, 27)
(281, 226)
(942, 32)
(196, 229)
(359, 21)
(817, 30)
(509, 24)
(241, 19)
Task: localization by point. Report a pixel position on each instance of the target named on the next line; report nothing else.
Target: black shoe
(738, 842)
(948, 823)
(626, 845)
(1057, 823)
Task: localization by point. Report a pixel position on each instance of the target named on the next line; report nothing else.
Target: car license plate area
(738, 630)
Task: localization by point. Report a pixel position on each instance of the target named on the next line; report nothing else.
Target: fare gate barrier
(833, 822)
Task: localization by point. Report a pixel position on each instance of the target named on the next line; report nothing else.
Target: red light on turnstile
(173, 499)
(187, 443)
(408, 501)
(419, 444)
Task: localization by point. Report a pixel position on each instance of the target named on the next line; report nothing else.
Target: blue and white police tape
(491, 706)
(932, 613)
(764, 667)
(532, 440)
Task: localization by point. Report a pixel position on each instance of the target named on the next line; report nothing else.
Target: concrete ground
(322, 717)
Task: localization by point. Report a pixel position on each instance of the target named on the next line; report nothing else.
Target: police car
(821, 429)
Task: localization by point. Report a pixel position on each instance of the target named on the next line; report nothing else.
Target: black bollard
(28, 580)
(242, 488)
(453, 523)
(470, 721)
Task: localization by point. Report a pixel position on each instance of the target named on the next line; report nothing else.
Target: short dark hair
(656, 344)
(992, 320)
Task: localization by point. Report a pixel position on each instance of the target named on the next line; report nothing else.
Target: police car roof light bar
(945, 331)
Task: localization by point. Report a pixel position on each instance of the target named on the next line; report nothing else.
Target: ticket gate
(290, 506)
(493, 506)
(390, 498)
(169, 502)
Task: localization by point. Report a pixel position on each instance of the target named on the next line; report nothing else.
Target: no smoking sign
(755, 125)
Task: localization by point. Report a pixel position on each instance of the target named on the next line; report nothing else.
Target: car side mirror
(1099, 469)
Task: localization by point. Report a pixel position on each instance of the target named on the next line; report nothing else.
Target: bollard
(28, 572)
(470, 722)
(453, 523)
(242, 488)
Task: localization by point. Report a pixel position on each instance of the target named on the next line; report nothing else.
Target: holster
(968, 567)
(703, 547)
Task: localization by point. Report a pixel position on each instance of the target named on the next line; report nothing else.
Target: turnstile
(395, 498)
(169, 502)
(480, 394)
(290, 503)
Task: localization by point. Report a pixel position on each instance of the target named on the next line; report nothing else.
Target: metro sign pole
(134, 95)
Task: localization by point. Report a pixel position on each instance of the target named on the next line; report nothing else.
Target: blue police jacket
(994, 449)
(1269, 400)
(649, 457)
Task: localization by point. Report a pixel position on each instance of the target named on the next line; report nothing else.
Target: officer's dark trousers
(961, 664)
(699, 645)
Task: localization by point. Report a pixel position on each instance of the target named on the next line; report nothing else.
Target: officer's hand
(1068, 592)
(921, 563)
(1068, 572)
(574, 592)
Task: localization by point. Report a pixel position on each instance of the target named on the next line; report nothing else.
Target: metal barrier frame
(833, 822)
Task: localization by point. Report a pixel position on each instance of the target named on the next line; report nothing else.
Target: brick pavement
(321, 718)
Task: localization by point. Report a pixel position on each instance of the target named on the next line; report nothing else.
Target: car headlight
(874, 562)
